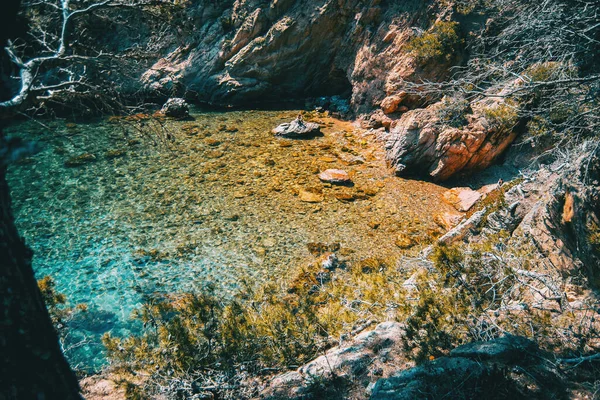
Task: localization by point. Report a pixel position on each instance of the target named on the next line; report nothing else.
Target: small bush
(55, 302)
(454, 111)
(473, 292)
(503, 116)
(439, 43)
(594, 235)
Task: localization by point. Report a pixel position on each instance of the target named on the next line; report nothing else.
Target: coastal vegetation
(190, 246)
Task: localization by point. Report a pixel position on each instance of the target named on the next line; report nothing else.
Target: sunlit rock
(391, 103)
(336, 176)
(463, 198)
(404, 241)
(298, 128)
(309, 196)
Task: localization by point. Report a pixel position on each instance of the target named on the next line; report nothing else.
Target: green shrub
(198, 337)
(502, 116)
(439, 43)
(594, 235)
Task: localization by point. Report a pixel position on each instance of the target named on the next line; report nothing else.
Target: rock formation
(507, 367)
(425, 141)
(253, 51)
(367, 367)
(564, 221)
(372, 350)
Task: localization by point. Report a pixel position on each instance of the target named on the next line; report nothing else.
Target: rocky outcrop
(362, 359)
(251, 51)
(437, 143)
(297, 129)
(371, 365)
(556, 208)
(477, 370)
(564, 221)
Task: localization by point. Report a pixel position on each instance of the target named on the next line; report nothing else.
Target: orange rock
(309, 196)
(390, 104)
(461, 198)
(568, 208)
(335, 176)
(447, 220)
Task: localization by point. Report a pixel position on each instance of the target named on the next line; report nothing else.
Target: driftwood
(458, 232)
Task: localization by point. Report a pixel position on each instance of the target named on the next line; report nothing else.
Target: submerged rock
(176, 107)
(79, 160)
(317, 249)
(298, 128)
(329, 261)
(336, 176)
(404, 241)
(310, 196)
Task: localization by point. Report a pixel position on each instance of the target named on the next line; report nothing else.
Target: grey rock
(505, 349)
(250, 51)
(473, 371)
(352, 360)
(297, 129)
(176, 108)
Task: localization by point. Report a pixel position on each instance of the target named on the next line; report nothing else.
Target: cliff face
(255, 51)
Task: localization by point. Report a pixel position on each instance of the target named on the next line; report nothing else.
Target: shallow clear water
(217, 204)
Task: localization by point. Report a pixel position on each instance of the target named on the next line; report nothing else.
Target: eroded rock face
(423, 143)
(252, 51)
(564, 222)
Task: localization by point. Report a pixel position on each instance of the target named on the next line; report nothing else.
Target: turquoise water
(188, 204)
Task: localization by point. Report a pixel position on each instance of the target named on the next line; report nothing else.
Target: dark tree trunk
(32, 364)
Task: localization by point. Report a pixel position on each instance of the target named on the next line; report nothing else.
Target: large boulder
(441, 141)
(176, 108)
(369, 353)
(298, 128)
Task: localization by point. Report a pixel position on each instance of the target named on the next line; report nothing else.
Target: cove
(117, 210)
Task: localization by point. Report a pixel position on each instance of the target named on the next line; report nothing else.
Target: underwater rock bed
(115, 210)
